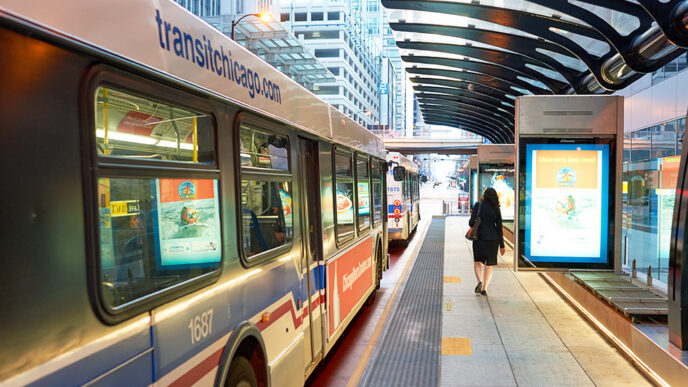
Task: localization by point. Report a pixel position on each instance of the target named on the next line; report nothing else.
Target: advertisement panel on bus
(348, 278)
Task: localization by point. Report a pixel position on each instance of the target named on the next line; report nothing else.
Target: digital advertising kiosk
(473, 179)
(496, 170)
(569, 158)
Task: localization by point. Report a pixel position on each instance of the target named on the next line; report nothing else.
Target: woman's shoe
(484, 292)
(479, 287)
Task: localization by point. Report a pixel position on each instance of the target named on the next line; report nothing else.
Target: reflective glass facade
(650, 172)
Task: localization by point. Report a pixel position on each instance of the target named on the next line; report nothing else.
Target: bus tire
(241, 374)
(378, 275)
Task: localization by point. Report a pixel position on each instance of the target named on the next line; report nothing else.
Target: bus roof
(165, 37)
(403, 161)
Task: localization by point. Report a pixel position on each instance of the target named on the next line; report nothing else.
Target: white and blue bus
(403, 198)
(176, 211)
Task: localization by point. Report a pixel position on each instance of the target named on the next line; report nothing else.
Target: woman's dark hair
(491, 197)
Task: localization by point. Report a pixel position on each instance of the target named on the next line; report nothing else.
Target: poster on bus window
(363, 199)
(286, 206)
(501, 178)
(188, 224)
(567, 198)
(345, 207)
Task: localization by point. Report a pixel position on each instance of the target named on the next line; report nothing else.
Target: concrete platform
(522, 334)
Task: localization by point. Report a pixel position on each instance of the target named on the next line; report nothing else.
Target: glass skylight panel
(527, 6)
(621, 22)
(520, 90)
(547, 72)
(533, 82)
(593, 46)
(570, 62)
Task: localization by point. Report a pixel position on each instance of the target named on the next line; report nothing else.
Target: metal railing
(455, 207)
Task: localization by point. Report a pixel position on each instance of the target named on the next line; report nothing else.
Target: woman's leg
(488, 276)
(478, 267)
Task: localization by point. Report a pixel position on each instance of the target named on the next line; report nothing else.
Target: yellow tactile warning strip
(456, 346)
(452, 280)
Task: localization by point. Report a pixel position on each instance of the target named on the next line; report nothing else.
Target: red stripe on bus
(277, 313)
(200, 370)
(286, 308)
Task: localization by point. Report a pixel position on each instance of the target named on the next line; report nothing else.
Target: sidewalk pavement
(521, 334)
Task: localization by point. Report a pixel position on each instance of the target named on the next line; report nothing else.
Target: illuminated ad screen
(501, 178)
(567, 203)
(188, 225)
(474, 187)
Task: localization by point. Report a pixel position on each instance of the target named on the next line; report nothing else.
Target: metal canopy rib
(487, 132)
(448, 106)
(534, 24)
(460, 90)
(533, 48)
(492, 70)
(594, 46)
(466, 76)
(509, 60)
(467, 113)
(470, 118)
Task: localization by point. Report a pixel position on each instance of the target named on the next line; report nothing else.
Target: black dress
(490, 237)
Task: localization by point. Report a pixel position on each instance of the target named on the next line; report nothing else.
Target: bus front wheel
(241, 374)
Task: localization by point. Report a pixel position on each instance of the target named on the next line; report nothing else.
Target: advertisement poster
(363, 199)
(107, 254)
(345, 207)
(666, 196)
(188, 222)
(286, 206)
(567, 198)
(348, 278)
(501, 178)
(474, 187)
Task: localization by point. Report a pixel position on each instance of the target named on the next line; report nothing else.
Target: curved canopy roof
(469, 60)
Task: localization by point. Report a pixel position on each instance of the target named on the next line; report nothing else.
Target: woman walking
(490, 238)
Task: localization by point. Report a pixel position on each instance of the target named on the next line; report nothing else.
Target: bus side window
(266, 204)
(344, 185)
(376, 174)
(362, 193)
(154, 232)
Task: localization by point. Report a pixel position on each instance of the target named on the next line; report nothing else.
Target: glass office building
(652, 154)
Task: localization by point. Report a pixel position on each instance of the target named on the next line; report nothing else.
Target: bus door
(312, 263)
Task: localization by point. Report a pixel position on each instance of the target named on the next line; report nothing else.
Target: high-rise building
(335, 33)
(398, 92)
(350, 38)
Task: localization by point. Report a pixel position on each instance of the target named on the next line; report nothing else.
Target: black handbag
(472, 233)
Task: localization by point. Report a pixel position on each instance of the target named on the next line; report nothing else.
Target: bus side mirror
(423, 179)
(399, 173)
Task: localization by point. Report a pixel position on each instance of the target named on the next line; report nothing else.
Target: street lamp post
(263, 16)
